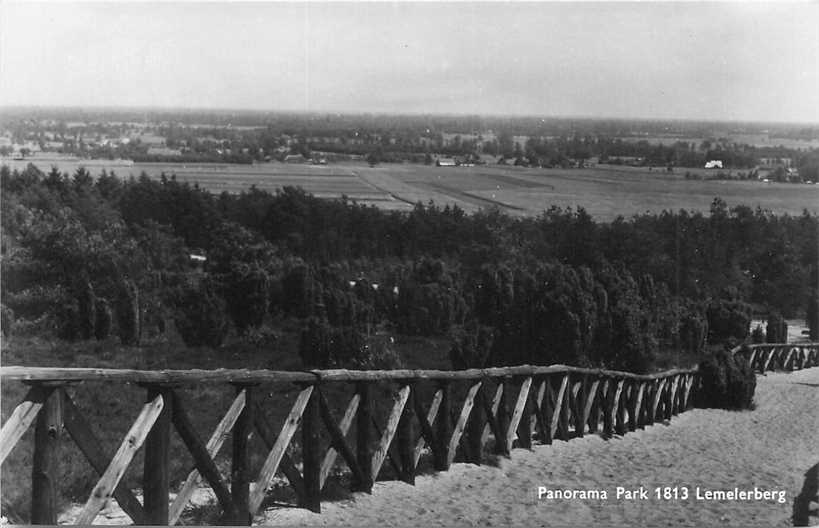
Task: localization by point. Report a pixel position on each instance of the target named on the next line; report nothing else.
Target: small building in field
(294, 158)
(713, 164)
(446, 162)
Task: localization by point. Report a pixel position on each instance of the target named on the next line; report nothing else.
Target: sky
(720, 61)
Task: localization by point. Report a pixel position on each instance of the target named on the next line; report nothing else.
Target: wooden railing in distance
(452, 415)
(779, 356)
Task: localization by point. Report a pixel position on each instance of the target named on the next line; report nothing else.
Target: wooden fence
(501, 408)
(498, 409)
(776, 356)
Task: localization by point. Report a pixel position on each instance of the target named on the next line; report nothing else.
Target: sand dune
(770, 448)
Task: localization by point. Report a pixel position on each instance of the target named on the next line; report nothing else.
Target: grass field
(604, 191)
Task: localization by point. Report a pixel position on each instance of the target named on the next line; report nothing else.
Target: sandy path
(771, 447)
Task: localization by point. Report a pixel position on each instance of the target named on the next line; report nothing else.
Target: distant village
(124, 143)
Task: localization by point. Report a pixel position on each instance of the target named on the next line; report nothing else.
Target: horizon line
(378, 113)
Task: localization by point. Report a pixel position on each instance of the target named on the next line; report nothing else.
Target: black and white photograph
(409, 263)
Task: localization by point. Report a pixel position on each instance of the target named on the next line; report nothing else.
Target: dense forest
(87, 257)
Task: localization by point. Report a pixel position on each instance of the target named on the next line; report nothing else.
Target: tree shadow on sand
(810, 493)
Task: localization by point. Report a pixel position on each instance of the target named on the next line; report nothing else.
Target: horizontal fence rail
(383, 425)
(763, 357)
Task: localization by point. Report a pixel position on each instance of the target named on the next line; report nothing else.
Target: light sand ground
(771, 447)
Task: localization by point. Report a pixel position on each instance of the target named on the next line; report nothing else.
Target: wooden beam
(427, 434)
(254, 377)
(271, 463)
(474, 430)
(392, 456)
(639, 416)
(540, 419)
(156, 480)
(462, 420)
(288, 467)
(21, 419)
(561, 395)
(240, 476)
(443, 430)
(491, 416)
(517, 413)
(591, 397)
(82, 434)
(364, 449)
(217, 439)
(614, 408)
(406, 441)
(548, 410)
(338, 441)
(46, 461)
(202, 458)
(657, 395)
(310, 449)
(768, 361)
(380, 454)
(130, 444)
(574, 406)
(344, 428)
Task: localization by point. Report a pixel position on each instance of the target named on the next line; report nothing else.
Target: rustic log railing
(780, 356)
(452, 415)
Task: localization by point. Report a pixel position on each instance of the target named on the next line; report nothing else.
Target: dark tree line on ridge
(86, 257)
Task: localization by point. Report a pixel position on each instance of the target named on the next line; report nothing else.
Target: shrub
(758, 335)
(727, 382)
(200, 314)
(776, 331)
(728, 319)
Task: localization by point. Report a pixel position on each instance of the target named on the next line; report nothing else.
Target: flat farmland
(604, 191)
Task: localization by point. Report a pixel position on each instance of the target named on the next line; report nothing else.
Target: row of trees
(90, 256)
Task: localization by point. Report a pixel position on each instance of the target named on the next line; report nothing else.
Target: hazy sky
(733, 61)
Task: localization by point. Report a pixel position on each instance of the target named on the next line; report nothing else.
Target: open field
(604, 191)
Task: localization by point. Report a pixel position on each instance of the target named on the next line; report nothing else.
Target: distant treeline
(85, 257)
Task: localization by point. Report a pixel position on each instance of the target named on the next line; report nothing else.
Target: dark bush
(728, 319)
(200, 314)
(758, 335)
(727, 382)
(776, 331)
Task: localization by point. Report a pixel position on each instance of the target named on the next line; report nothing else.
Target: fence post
(524, 431)
(444, 429)
(240, 470)
(364, 449)
(406, 438)
(474, 429)
(156, 472)
(311, 457)
(45, 471)
(502, 419)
